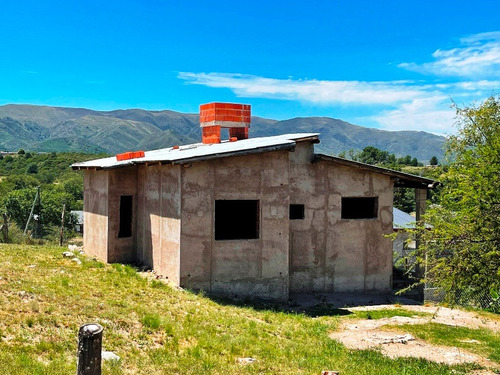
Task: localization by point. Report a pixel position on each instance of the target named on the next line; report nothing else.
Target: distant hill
(43, 128)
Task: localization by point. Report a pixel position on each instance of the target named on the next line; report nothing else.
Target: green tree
(32, 168)
(434, 161)
(21, 151)
(404, 199)
(373, 155)
(463, 248)
(48, 208)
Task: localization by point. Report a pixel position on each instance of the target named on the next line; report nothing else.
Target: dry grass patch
(435, 333)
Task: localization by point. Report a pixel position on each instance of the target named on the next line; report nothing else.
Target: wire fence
(464, 298)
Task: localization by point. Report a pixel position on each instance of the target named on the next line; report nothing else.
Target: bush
(32, 168)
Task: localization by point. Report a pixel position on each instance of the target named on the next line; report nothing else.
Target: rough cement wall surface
(363, 256)
(170, 224)
(173, 230)
(197, 189)
(249, 268)
(158, 219)
(142, 244)
(308, 235)
(328, 253)
(95, 206)
(122, 181)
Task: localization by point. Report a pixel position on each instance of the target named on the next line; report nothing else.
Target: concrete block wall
(173, 228)
(328, 253)
(158, 224)
(361, 253)
(308, 236)
(95, 206)
(245, 268)
(122, 181)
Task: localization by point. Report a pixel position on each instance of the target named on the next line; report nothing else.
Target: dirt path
(392, 342)
(441, 315)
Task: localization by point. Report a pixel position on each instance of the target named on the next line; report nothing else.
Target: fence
(464, 298)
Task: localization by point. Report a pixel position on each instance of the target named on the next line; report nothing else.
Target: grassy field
(158, 329)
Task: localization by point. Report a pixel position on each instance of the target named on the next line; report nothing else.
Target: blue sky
(394, 65)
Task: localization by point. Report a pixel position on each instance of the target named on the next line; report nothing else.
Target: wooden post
(89, 349)
(4, 228)
(32, 209)
(421, 205)
(61, 237)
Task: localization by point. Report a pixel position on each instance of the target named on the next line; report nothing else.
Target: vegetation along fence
(465, 298)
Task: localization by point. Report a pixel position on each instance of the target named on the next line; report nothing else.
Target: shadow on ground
(315, 305)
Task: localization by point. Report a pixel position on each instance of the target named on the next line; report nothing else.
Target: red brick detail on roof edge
(130, 155)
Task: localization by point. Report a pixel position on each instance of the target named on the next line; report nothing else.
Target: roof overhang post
(420, 203)
(420, 207)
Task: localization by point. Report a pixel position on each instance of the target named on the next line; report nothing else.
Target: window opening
(297, 212)
(236, 219)
(125, 216)
(359, 207)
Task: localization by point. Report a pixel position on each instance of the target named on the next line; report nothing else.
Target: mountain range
(47, 129)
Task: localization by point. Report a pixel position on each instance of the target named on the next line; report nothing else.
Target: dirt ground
(374, 334)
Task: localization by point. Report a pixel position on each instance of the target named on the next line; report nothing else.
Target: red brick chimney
(214, 116)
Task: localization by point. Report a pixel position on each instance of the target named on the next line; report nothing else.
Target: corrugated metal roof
(79, 216)
(200, 151)
(402, 220)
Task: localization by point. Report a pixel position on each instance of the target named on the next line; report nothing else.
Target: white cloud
(477, 56)
(432, 115)
(399, 105)
(313, 91)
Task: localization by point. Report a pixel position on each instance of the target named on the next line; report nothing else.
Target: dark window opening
(359, 208)
(236, 219)
(125, 216)
(297, 212)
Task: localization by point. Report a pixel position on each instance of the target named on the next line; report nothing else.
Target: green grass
(157, 329)
(387, 313)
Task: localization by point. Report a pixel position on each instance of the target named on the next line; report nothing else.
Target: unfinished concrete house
(247, 217)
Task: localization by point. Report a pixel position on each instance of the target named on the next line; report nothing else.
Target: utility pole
(32, 209)
(61, 237)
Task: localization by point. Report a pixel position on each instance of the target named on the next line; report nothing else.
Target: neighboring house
(79, 221)
(259, 218)
(402, 221)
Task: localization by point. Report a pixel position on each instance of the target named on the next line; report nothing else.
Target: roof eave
(401, 179)
(288, 146)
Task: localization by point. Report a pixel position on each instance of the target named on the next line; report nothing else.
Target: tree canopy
(463, 247)
(21, 175)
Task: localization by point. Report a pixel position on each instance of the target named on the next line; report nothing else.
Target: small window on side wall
(125, 216)
(359, 207)
(297, 212)
(236, 219)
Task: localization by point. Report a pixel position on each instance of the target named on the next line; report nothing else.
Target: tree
(404, 199)
(463, 247)
(18, 205)
(434, 161)
(21, 151)
(32, 168)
